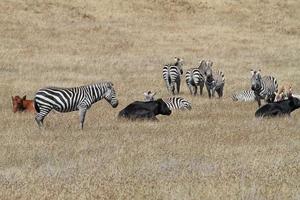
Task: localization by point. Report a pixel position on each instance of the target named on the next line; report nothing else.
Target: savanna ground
(216, 151)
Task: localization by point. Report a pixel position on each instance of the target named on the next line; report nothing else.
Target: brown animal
(283, 93)
(22, 105)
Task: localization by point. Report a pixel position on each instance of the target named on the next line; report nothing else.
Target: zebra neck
(97, 93)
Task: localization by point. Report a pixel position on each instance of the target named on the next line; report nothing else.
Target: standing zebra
(72, 99)
(171, 75)
(263, 87)
(215, 83)
(196, 76)
(178, 103)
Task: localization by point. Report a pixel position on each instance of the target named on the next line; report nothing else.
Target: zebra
(196, 76)
(178, 103)
(171, 75)
(72, 99)
(264, 87)
(215, 83)
(245, 95)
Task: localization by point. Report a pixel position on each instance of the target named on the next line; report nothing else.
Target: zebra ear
(252, 72)
(258, 71)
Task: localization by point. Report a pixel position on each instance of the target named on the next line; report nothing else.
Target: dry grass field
(219, 150)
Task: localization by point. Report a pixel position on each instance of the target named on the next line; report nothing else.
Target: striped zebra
(264, 87)
(178, 103)
(171, 75)
(245, 95)
(215, 83)
(196, 76)
(72, 99)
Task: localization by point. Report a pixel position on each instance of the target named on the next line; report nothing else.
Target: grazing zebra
(245, 95)
(72, 99)
(171, 75)
(178, 103)
(215, 83)
(196, 76)
(263, 87)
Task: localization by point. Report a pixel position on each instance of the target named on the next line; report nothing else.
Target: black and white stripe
(171, 75)
(193, 79)
(196, 76)
(178, 103)
(215, 83)
(263, 87)
(72, 99)
(245, 95)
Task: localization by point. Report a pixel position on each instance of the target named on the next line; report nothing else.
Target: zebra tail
(36, 106)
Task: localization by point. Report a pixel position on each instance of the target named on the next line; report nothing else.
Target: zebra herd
(195, 77)
(81, 98)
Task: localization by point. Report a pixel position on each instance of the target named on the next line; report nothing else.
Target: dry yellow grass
(216, 151)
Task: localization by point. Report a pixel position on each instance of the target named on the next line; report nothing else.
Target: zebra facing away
(72, 99)
(171, 75)
(263, 87)
(215, 83)
(196, 76)
(178, 103)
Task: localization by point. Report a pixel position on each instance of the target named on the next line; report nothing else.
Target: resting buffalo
(284, 107)
(145, 110)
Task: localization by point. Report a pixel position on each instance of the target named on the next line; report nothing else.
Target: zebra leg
(173, 88)
(168, 86)
(201, 88)
(191, 89)
(213, 92)
(195, 90)
(208, 91)
(82, 112)
(258, 101)
(39, 122)
(39, 118)
(178, 85)
(220, 92)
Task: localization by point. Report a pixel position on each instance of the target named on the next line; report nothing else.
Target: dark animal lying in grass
(284, 107)
(145, 110)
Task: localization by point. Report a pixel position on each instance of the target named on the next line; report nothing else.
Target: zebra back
(178, 103)
(270, 85)
(194, 77)
(245, 95)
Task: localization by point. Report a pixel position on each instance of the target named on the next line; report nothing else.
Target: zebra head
(179, 64)
(255, 80)
(110, 95)
(206, 67)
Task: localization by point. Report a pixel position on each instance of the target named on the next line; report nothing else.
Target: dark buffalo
(284, 107)
(145, 110)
